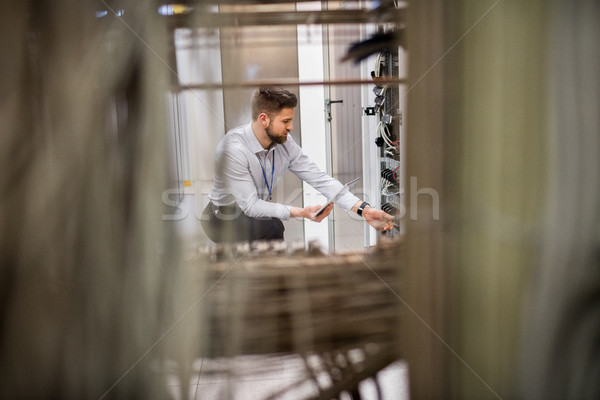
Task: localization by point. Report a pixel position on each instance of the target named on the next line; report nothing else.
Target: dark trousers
(230, 224)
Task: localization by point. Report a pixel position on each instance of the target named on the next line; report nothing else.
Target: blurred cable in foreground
(85, 280)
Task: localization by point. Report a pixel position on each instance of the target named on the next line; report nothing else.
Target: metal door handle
(328, 104)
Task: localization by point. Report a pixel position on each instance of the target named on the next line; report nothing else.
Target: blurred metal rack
(247, 13)
(284, 82)
(340, 312)
(238, 19)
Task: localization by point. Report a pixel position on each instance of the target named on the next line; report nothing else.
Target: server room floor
(247, 378)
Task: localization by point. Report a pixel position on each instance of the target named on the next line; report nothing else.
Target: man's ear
(264, 119)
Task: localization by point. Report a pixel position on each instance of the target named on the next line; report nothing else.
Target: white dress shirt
(239, 175)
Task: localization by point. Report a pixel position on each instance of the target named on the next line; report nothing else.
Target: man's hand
(307, 212)
(378, 219)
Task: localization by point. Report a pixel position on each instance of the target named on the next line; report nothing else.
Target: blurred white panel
(312, 116)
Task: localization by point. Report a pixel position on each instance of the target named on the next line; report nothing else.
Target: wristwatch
(362, 207)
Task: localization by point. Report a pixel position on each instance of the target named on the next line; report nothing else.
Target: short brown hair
(271, 100)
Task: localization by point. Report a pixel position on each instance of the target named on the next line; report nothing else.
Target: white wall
(312, 116)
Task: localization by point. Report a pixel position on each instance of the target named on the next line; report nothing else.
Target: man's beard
(275, 139)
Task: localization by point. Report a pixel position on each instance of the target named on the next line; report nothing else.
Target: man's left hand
(378, 219)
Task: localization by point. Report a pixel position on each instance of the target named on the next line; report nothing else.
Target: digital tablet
(336, 196)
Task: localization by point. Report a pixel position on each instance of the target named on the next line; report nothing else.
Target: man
(251, 159)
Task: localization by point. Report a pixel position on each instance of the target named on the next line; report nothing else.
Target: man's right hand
(308, 212)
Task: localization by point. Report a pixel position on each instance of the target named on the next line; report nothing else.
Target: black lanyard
(269, 187)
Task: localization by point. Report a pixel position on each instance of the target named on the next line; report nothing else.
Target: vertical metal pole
(328, 130)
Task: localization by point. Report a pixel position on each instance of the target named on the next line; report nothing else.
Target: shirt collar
(255, 145)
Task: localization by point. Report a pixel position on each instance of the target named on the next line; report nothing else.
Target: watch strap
(362, 207)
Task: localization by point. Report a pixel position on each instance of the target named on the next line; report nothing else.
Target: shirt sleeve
(238, 180)
(309, 172)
